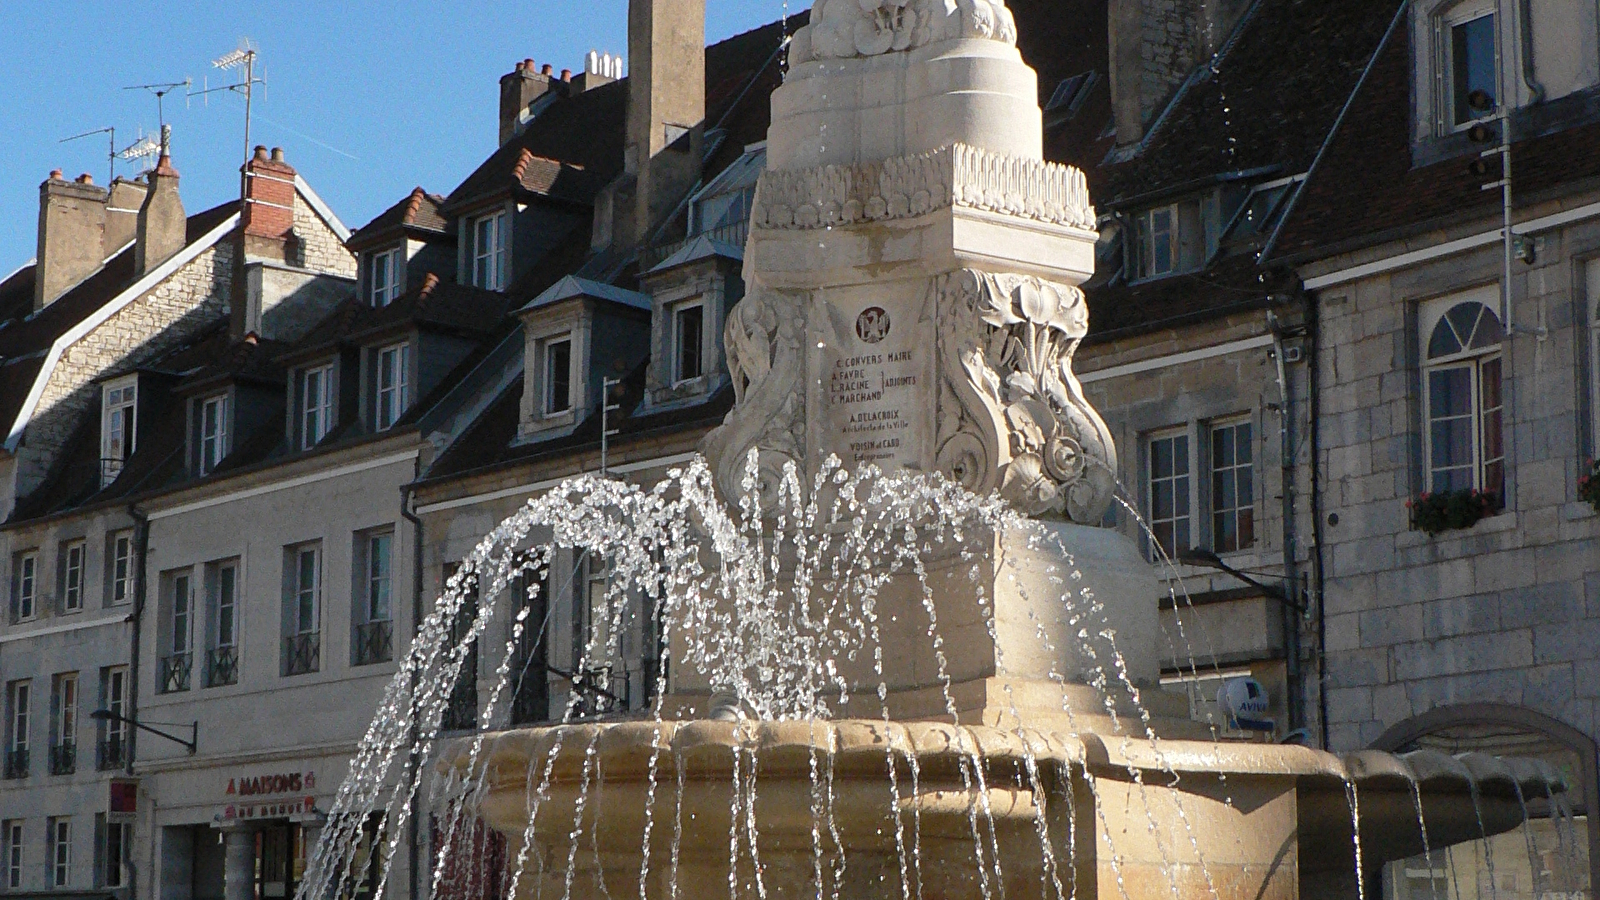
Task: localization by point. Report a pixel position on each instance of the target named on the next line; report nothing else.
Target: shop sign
(269, 784)
(122, 801)
(275, 809)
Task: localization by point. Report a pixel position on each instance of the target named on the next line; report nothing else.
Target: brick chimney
(268, 218)
(1155, 46)
(518, 90)
(122, 212)
(162, 228)
(666, 110)
(72, 226)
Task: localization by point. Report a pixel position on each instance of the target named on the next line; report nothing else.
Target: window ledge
(1578, 510)
(1503, 521)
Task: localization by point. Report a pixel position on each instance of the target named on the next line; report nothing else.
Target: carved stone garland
(844, 29)
(764, 339)
(1012, 415)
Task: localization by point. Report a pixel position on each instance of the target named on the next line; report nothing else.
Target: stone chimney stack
(72, 226)
(122, 212)
(162, 228)
(666, 110)
(268, 218)
(1155, 46)
(598, 69)
(518, 91)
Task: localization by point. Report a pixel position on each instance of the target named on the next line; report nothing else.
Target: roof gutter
(102, 315)
(1338, 123)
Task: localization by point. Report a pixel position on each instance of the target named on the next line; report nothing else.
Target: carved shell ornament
(1012, 413)
(847, 29)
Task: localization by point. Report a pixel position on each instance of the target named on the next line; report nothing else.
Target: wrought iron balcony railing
(174, 674)
(222, 667)
(374, 643)
(63, 758)
(16, 763)
(112, 753)
(302, 653)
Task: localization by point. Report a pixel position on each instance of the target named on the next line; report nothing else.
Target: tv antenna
(245, 56)
(161, 91)
(111, 152)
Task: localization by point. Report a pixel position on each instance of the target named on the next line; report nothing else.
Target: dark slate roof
(434, 304)
(418, 214)
(25, 337)
(1268, 101)
(568, 152)
(1367, 191)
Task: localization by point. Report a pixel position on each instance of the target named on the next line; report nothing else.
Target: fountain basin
(1103, 816)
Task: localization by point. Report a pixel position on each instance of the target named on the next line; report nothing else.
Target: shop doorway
(280, 860)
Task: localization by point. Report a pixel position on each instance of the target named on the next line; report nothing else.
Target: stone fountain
(913, 304)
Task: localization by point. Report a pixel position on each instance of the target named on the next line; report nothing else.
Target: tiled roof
(418, 212)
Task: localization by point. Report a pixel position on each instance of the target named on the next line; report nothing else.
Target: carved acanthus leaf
(846, 29)
(906, 187)
(1012, 415)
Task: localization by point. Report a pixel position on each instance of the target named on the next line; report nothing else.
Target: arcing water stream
(767, 617)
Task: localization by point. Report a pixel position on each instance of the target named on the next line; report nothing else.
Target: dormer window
(1469, 67)
(316, 398)
(386, 268)
(393, 384)
(215, 434)
(556, 367)
(1174, 238)
(688, 339)
(117, 427)
(488, 253)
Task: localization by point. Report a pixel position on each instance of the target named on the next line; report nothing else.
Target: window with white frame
(393, 385)
(1232, 486)
(11, 847)
(120, 570)
(377, 576)
(1167, 490)
(60, 851)
(214, 433)
(181, 630)
(116, 844)
(225, 605)
(119, 402)
(316, 405)
(73, 554)
(1466, 63)
(19, 711)
(490, 250)
(688, 340)
(555, 362)
(385, 278)
(305, 613)
(24, 585)
(64, 710)
(114, 730)
(1174, 238)
(1463, 430)
(176, 660)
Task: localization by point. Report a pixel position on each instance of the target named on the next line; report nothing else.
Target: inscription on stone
(872, 389)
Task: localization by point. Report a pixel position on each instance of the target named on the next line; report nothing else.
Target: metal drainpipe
(1295, 701)
(1314, 376)
(407, 499)
(141, 550)
(1529, 76)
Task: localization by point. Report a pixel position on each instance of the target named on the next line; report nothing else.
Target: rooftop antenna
(161, 91)
(145, 147)
(111, 152)
(245, 56)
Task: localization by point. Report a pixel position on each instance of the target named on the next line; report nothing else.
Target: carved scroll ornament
(1012, 415)
(764, 337)
(845, 29)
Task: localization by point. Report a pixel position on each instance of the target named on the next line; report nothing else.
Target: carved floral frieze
(1012, 416)
(847, 29)
(907, 187)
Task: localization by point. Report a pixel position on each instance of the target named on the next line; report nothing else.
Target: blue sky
(368, 98)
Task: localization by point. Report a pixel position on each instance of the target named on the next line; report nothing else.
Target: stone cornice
(908, 187)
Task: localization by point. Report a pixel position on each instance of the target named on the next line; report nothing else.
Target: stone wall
(1507, 611)
(320, 249)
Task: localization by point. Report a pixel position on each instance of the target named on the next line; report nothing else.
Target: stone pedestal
(239, 862)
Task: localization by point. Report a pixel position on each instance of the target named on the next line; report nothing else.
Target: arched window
(1553, 856)
(1463, 405)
